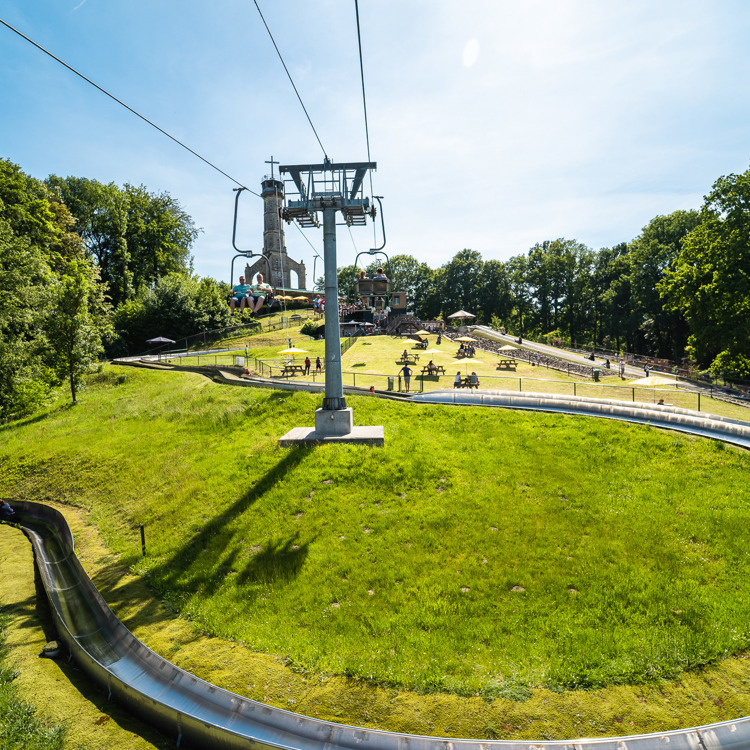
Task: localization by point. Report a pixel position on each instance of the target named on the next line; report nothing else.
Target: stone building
(282, 266)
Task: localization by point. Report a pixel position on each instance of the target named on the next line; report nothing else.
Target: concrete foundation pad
(334, 422)
(308, 436)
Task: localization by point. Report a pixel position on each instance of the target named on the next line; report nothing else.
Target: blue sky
(495, 124)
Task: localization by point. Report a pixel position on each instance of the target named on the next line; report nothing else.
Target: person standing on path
(406, 371)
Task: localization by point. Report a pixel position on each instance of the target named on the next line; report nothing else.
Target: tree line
(680, 289)
(88, 269)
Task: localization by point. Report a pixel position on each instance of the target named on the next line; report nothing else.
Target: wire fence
(677, 395)
(227, 335)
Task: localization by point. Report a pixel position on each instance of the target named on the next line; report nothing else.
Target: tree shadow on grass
(278, 559)
(122, 596)
(26, 421)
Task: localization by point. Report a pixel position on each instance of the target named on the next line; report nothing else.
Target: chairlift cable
(289, 75)
(307, 239)
(364, 104)
(130, 109)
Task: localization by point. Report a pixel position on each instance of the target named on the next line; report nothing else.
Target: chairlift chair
(378, 291)
(249, 254)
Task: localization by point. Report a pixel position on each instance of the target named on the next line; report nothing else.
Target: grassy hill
(482, 555)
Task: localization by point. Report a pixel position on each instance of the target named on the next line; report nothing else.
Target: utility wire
(364, 104)
(307, 239)
(289, 75)
(362, 74)
(130, 109)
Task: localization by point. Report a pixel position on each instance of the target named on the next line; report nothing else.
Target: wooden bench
(436, 370)
(506, 363)
(292, 369)
(466, 383)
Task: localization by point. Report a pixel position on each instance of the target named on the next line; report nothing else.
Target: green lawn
(404, 565)
(372, 361)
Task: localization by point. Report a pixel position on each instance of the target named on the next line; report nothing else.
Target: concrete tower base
(333, 426)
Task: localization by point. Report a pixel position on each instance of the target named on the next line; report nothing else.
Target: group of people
(308, 365)
(466, 351)
(248, 295)
(379, 274)
(473, 380)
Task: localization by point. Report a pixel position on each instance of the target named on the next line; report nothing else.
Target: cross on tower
(272, 162)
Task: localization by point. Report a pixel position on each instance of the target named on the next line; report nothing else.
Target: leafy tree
(36, 244)
(24, 281)
(34, 212)
(709, 281)
(135, 236)
(610, 285)
(159, 235)
(495, 298)
(660, 331)
(101, 222)
(461, 282)
(175, 306)
(521, 294)
(558, 273)
(76, 323)
(346, 283)
(413, 278)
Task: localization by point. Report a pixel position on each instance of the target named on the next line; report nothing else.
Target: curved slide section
(728, 430)
(200, 715)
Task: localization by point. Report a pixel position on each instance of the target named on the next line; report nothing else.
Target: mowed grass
(373, 360)
(479, 552)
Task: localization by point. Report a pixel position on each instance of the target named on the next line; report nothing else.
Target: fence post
(574, 389)
(633, 395)
(519, 385)
(699, 400)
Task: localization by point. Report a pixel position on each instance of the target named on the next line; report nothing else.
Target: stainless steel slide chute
(200, 715)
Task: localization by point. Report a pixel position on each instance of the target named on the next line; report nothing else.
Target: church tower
(272, 192)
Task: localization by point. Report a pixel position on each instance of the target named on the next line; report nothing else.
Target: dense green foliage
(429, 563)
(52, 310)
(562, 290)
(72, 246)
(135, 237)
(709, 281)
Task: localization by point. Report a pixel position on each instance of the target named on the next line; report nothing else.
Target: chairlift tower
(330, 188)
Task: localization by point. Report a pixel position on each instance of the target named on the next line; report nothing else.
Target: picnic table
(505, 363)
(466, 383)
(292, 369)
(435, 370)
(409, 359)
